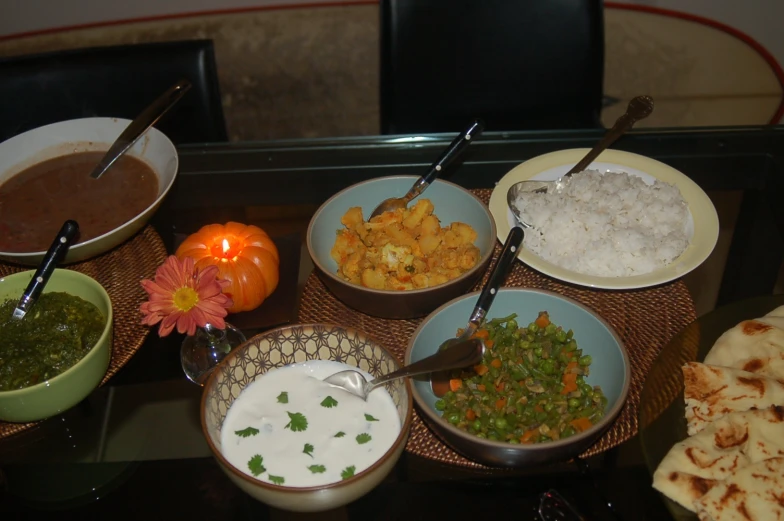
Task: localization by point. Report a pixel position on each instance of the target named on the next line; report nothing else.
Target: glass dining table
(134, 448)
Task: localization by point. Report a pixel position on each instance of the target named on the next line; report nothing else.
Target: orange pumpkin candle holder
(245, 256)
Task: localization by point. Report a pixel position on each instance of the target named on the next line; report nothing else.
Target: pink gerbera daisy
(186, 297)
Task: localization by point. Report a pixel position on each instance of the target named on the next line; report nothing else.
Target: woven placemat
(119, 272)
(645, 319)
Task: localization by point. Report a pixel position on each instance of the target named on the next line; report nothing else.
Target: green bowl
(610, 369)
(65, 390)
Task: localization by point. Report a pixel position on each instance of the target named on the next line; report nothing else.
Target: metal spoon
(441, 166)
(53, 257)
(639, 108)
(439, 381)
(460, 355)
(139, 126)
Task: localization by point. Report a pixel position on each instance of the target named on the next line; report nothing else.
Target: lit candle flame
(225, 245)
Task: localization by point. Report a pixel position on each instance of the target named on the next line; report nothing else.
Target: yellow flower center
(185, 298)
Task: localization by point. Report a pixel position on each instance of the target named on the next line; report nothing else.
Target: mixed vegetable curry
(529, 388)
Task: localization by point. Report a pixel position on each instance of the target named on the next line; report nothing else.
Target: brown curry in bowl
(35, 202)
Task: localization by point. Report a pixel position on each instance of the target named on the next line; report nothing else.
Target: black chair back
(117, 81)
(517, 64)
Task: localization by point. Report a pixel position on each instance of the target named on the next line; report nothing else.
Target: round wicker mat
(645, 319)
(119, 272)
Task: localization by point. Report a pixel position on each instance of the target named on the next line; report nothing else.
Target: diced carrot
(500, 387)
(570, 383)
(481, 333)
(496, 363)
(455, 384)
(470, 415)
(481, 387)
(481, 369)
(538, 408)
(581, 424)
(500, 403)
(489, 343)
(570, 366)
(543, 320)
(527, 435)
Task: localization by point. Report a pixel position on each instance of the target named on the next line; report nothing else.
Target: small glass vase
(204, 350)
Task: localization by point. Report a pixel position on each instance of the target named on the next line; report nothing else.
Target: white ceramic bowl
(287, 345)
(87, 135)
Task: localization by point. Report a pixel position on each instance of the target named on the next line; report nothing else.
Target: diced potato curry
(404, 249)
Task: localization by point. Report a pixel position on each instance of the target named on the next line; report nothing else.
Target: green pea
(549, 406)
(512, 325)
(568, 431)
(481, 435)
(454, 418)
(525, 344)
(533, 328)
(549, 329)
(514, 441)
(547, 366)
(538, 351)
(573, 403)
(560, 335)
(585, 360)
(476, 425)
(440, 405)
(500, 423)
(569, 334)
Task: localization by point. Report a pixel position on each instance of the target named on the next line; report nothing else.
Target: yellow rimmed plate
(702, 227)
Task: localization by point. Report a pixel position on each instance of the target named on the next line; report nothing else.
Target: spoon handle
(639, 108)
(139, 126)
(447, 158)
(463, 354)
(53, 257)
(498, 275)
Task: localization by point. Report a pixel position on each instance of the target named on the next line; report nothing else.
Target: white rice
(609, 225)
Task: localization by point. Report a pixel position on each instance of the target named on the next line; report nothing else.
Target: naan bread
(693, 466)
(756, 346)
(755, 492)
(712, 392)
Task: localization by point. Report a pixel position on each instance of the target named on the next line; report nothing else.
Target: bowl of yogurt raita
(292, 441)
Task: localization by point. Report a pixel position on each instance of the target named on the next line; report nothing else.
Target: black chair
(118, 81)
(517, 64)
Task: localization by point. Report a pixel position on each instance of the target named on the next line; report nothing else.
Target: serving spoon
(638, 108)
(147, 118)
(463, 354)
(53, 257)
(439, 381)
(442, 165)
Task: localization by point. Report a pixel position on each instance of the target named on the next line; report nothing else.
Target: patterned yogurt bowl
(288, 345)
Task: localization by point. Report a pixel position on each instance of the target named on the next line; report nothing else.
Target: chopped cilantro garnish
(249, 431)
(317, 469)
(278, 480)
(329, 402)
(297, 422)
(308, 449)
(283, 397)
(370, 418)
(363, 438)
(348, 472)
(255, 465)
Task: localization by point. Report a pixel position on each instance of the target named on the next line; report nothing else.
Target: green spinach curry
(57, 332)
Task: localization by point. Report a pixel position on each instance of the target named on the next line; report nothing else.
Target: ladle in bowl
(460, 355)
(53, 257)
(136, 128)
(639, 108)
(442, 165)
